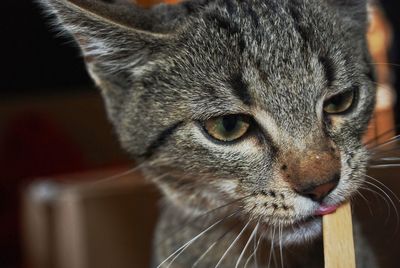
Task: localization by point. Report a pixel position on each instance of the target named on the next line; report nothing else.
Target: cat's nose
(312, 173)
(319, 192)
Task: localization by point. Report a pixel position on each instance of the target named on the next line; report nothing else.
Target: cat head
(260, 104)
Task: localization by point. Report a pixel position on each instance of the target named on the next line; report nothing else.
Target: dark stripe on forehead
(194, 7)
(252, 14)
(230, 7)
(304, 32)
(160, 140)
(241, 44)
(223, 23)
(240, 88)
(329, 70)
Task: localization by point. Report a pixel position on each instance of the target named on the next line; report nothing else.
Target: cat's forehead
(272, 56)
(263, 44)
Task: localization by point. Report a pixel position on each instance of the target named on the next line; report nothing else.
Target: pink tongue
(324, 210)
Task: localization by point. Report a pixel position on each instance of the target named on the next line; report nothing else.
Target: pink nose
(318, 192)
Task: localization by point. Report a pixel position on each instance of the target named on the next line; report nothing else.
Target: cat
(248, 115)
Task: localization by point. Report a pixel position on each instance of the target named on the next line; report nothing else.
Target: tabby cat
(247, 114)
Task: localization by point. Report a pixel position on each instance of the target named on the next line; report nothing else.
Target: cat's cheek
(228, 187)
(352, 176)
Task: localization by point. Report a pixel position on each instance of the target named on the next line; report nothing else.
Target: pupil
(229, 122)
(337, 100)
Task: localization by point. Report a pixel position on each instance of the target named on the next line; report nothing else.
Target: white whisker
(210, 248)
(379, 195)
(385, 63)
(271, 247)
(113, 177)
(389, 159)
(256, 249)
(366, 202)
(204, 254)
(253, 254)
(196, 218)
(384, 166)
(385, 143)
(232, 244)
(187, 244)
(247, 244)
(383, 185)
(280, 243)
(388, 198)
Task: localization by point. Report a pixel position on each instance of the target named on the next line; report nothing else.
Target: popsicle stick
(338, 239)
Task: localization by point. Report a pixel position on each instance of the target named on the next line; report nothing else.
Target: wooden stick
(338, 239)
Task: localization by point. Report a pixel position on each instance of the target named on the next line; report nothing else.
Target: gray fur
(165, 70)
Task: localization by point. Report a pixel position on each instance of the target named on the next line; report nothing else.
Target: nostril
(319, 192)
(313, 197)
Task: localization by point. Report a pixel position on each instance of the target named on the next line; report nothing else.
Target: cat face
(257, 104)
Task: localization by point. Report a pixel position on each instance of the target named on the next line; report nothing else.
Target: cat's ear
(116, 37)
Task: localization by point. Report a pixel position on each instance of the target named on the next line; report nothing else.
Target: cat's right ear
(115, 38)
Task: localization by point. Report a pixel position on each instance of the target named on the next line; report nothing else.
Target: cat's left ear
(116, 37)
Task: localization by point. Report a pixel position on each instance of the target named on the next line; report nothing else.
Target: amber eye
(339, 103)
(227, 128)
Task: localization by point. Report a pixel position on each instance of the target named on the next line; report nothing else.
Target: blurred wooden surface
(84, 221)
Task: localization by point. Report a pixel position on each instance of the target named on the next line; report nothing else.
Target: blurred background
(55, 140)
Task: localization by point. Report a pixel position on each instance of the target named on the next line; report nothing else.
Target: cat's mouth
(325, 210)
(305, 229)
(322, 210)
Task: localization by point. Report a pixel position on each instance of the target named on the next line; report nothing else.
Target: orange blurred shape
(379, 38)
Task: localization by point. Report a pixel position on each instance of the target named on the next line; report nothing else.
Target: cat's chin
(298, 233)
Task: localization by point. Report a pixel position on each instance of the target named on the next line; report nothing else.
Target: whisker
(196, 218)
(388, 198)
(379, 136)
(385, 63)
(191, 241)
(271, 247)
(253, 253)
(379, 166)
(386, 143)
(385, 187)
(256, 250)
(280, 244)
(390, 158)
(375, 157)
(205, 253)
(248, 243)
(376, 195)
(232, 244)
(366, 202)
(113, 177)
(383, 160)
(211, 247)
(383, 197)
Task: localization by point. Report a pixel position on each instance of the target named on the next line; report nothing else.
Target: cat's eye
(339, 103)
(228, 127)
